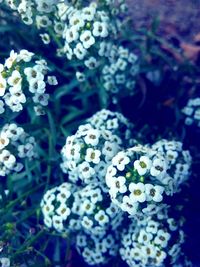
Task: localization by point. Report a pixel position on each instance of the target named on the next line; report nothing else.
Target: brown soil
(179, 18)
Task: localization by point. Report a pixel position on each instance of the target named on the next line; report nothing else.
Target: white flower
(120, 161)
(80, 76)
(93, 155)
(79, 51)
(91, 63)
(109, 150)
(41, 99)
(3, 85)
(87, 206)
(143, 165)
(144, 237)
(162, 238)
(8, 159)
(77, 21)
(159, 167)
(92, 137)
(129, 206)
(5, 262)
(137, 192)
(52, 80)
(4, 141)
(101, 217)
(87, 39)
(63, 211)
(25, 55)
(71, 34)
(45, 38)
(43, 21)
(85, 170)
(152, 227)
(9, 61)
(154, 192)
(86, 222)
(118, 185)
(33, 73)
(96, 195)
(37, 86)
(88, 13)
(100, 29)
(172, 156)
(58, 223)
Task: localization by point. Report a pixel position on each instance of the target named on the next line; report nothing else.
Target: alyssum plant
(69, 182)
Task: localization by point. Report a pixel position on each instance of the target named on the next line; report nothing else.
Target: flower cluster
(136, 178)
(120, 70)
(97, 249)
(98, 214)
(84, 31)
(60, 208)
(192, 112)
(139, 176)
(114, 122)
(28, 9)
(88, 152)
(155, 241)
(179, 162)
(80, 30)
(22, 79)
(15, 146)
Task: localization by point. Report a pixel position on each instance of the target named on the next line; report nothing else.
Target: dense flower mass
(136, 178)
(88, 152)
(120, 71)
(23, 78)
(155, 241)
(99, 187)
(60, 208)
(16, 146)
(97, 249)
(139, 177)
(192, 112)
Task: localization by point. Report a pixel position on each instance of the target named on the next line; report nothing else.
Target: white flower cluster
(84, 30)
(98, 214)
(97, 249)
(80, 31)
(21, 79)
(139, 176)
(179, 162)
(60, 208)
(114, 122)
(27, 10)
(15, 145)
(192, 112)
(120, 70)
(156, 241)
(87, 153)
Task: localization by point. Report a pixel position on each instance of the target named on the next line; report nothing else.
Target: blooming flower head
(88, 153)
(192, 112)
(60, 208)
(152, 243)
(15, 146)
(23, 79)
(134, 178)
